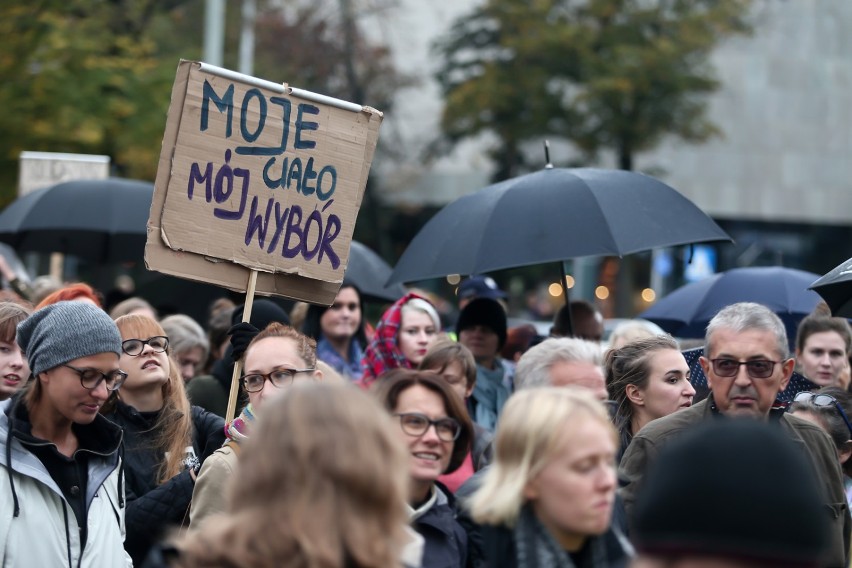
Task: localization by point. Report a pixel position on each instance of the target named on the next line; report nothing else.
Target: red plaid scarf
(383, 354)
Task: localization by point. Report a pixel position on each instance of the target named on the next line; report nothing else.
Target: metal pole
(247, 37)
(214, 31)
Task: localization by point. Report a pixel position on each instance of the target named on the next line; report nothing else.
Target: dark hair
(11, 314)
(313, 329)
(518, 340)
(830, 418)
(391, 385)
(629, 365)
(819, 321)
(443, 353)
(577, 310)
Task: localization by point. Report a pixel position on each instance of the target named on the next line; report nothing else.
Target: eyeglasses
(279, 378)
(823, 400)
(756, 369)
(92, 378)
(134, 347)
(415, 424)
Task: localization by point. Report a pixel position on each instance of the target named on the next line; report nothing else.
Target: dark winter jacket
(153, 508)
(813, 441)
(495, 548)
(446, 541)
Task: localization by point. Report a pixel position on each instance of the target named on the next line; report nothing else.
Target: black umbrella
(100, 220)
(369, 272)
(836, 289)
(685, 312)
(553, 215)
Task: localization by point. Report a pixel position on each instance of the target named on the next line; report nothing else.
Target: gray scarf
(536, 547)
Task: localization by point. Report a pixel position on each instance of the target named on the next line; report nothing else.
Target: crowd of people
(417, 442)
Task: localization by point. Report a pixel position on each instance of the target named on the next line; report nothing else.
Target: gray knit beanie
(66, 331)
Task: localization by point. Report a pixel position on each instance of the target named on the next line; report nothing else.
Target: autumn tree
(96, 77)
(615, 75)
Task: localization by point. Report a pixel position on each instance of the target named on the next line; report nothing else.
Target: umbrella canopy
(553, 215)
(686, 311)
(369, 272)
(100, 220)
(836, 289)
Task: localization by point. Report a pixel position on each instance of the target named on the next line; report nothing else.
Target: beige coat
(211, 487)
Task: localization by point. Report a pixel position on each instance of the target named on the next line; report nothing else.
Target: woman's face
(417, 333)
(573, 494)
(823, 357)
(149, 369)
(668, 389)
(270, 354)
(430, 455)
(342, 320)
(14, 370)
(67, 397)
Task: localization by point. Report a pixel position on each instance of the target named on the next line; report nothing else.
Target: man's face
(742, 395)
(580, 374)
(482, 341)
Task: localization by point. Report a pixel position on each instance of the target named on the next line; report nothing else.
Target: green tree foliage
(605, 74)
(88, 77)
(95, 76)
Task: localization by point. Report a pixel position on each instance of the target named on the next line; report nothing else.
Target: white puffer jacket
(38, 526)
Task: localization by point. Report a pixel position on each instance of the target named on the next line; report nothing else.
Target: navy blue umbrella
(686, 311)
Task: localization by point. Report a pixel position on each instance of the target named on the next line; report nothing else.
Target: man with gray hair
(561, 362)
(747, 363)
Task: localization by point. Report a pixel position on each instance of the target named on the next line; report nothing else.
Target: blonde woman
(547, 499)
(277, 358)
(165, 439)
(322, 482)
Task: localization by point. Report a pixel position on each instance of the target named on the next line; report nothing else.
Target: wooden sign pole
(238, 365)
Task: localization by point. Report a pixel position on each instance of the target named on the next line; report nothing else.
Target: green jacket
(646, 446)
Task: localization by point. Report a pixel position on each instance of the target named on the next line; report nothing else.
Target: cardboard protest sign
(255, 175)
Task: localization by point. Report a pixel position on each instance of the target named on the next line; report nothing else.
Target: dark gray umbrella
(835, 287)
(553, 215)
(685, 312)
(100, 220)
(369, 272)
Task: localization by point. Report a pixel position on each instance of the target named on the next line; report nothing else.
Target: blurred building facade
(778, 178)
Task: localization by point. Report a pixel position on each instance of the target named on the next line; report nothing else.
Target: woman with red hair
(79, 291)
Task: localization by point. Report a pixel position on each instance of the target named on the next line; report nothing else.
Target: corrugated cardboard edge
(159, 257)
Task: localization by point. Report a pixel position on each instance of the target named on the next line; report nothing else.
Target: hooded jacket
(37, 524)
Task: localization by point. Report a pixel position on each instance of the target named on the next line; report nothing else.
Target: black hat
(733, 488)
(487, 312)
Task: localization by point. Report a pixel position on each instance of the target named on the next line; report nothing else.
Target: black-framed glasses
(279, 377)
(756, 368)
(416, 424)
(135, 347)
(817, 399)
(92, 378)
